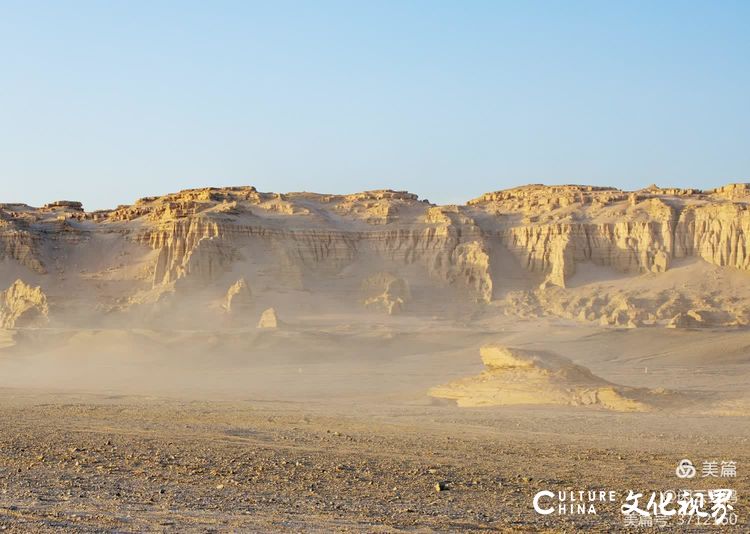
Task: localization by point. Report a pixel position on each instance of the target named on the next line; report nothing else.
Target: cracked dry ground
(86, 463)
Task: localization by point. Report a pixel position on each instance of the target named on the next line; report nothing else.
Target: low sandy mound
(515, 376)
(23, 305)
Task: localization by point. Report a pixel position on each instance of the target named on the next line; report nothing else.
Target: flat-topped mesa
(541, 190)
(382, 194)
(377, 206)
(64, 204)
(382, 206)
(539, 198)
(654, 189)
(739, 191)
(187, 203)
(528, 197)
(555, 196)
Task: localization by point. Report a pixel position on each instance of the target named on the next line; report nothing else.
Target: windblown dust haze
(224, 358)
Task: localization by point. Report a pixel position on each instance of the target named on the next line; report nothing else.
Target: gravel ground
(127, 464)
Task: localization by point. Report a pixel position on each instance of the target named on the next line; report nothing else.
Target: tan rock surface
(516, 376)
(23, 305)
(326, 424)
(385, 292)
(239, 297)
(504, 252)
(268, 319)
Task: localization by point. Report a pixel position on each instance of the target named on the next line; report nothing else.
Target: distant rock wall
(215, 236)
(657, 233)
(719, 234)
(200, 247)
(18, 243)
(555, 249)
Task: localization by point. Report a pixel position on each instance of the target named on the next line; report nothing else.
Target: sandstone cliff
(320, 251)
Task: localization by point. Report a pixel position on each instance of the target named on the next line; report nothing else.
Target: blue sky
(105, 102)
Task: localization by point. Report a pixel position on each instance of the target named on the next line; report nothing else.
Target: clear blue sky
(108, 101)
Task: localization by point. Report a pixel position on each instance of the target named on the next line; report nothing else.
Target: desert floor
(327, 445)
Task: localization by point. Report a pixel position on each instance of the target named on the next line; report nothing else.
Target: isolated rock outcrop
(701, 319)
(516, 376)
(23, 305)
(238, 298)
(268, 319)
(385, 292)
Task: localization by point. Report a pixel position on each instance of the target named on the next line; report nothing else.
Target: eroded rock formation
(385, 292)
(318, 249)
(268, 319)
(239, 298)
(516, 376)
(23, 305)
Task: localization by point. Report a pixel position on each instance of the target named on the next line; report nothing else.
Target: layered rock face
(718, 234)
(635, 232)
(323, 251)
(18, 242)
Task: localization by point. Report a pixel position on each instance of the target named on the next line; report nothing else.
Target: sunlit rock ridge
(218, 257)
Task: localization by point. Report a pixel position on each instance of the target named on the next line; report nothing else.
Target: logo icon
(685, 469)
(537, 507)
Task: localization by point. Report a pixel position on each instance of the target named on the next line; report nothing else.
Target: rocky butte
(221, 256)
